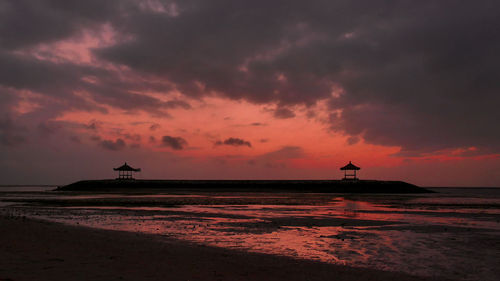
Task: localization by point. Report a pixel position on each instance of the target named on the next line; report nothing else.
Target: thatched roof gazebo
(350, 167)
(125, 172)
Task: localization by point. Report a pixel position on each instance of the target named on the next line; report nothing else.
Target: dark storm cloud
(116, 145)
(234, 142)
(176, 143)
(22, 72)
(25, 23)
(422, 75)
(64, 81)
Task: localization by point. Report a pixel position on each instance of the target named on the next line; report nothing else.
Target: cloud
(419, 75)
(11, 134)
(177, 104)
(257, 124)
(48, 128)
(49, 21)
(154, 127)
(116, 145)
(9, 139)
(283, 113)
(176, 143)
(286, 152)
(278, 158)
(378, 54)
(75, 139)
(352, 140)
(133, 137)
(234, 142)
(94, 125)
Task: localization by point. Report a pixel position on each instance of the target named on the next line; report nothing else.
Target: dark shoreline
(41, 250)
(320, 186)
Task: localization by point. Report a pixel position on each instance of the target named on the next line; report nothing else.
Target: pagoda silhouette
(350, 171)
(125, 172)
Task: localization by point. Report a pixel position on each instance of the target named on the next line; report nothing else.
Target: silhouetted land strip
(323, 186)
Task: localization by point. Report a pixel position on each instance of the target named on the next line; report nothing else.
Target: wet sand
(41, 250)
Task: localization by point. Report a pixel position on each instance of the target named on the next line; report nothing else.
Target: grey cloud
(64, 81)
(283, 113)
(177, 104)
(25, 23)
(75, 139)
(133, 137)
(11, 139)
(286, 152)
(352, 140)
(155, 126)
(93, 125)
(415, 74)
(48, 128)
(116, 145)
(11, 134)
(256, 124)
(277, 158)
(176, 143)
(55, 79)
(234, 142)
(431, 66)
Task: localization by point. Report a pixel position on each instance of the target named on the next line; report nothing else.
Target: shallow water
(454, 233)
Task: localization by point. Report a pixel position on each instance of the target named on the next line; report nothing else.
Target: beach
(41, 250)
(249, 140)
(451, 234)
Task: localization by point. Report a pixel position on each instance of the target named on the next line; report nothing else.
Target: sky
(196, 89)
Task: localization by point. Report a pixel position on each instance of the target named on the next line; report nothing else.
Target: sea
(453, 233)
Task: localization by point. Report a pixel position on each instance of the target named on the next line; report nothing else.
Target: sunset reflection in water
(419, 235)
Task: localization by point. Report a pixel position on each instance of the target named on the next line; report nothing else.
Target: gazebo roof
(126, 167)
(350, 166)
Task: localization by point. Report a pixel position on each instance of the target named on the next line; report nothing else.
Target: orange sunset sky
(246, 90)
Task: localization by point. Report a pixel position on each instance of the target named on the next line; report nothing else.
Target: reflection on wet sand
(434, 236)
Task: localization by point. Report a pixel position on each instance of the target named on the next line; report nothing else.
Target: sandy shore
(39, 250)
